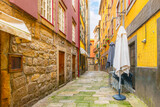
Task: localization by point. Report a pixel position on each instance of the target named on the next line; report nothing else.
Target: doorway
(61, 68)
(73, 66)
(132, 63)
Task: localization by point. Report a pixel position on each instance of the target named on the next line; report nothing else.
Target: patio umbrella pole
(119, 96)
(119, 90)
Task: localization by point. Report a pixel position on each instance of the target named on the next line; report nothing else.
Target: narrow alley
(79, 53)
(90, 90)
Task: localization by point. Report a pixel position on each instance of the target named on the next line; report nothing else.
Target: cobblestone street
(90, 90)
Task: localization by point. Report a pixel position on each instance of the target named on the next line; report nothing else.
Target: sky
(94, 16)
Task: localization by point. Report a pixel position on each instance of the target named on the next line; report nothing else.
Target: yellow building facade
(83, 35)
(140, 18)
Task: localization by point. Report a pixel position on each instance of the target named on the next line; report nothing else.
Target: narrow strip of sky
(94, 17)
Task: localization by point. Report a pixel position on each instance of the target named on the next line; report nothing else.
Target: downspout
(78, 38)
(123, 14)
(99, 49)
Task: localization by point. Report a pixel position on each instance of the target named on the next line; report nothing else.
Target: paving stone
(98, 105)
(106, 98)
(101, 102)
(90, 90)
(66, 101)
(83, 105)
(99, 95)
(55, 105)
(69, 105)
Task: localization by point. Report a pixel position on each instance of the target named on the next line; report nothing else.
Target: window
(108, 12)
(112, 28)
(73, 32)
(61, 22)
(15, 63)
(112, 2)
(118, 14)
(108, 33)
(73, 3)
(129, 4)
(46, 9)
(106, 21)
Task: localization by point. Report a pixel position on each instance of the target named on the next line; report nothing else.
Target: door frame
(62, 49)
(72, 64)
(130, 42)
(74, 53)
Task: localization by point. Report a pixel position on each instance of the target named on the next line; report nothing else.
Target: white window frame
(73, 32)
(112, 27)
(61, 20)
(128, 8)
(73, 3)
(112, 3)
(47, 9)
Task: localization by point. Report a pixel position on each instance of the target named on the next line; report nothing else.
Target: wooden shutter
(15, 63)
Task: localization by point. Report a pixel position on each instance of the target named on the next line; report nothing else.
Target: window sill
(47, 20)
(62, 32)
(117, 26)
(74, 8)
(129, 8)
(73, 42)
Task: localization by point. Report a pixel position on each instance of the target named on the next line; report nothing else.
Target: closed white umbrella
(121, 61)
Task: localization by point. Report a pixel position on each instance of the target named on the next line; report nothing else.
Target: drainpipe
(99, 49)
(78, 38)
(124, 13)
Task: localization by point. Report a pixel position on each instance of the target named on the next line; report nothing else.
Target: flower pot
(107, 40)
(104, 46)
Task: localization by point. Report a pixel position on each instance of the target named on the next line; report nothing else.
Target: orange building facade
(91, 48)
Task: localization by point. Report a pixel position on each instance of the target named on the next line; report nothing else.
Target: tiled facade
(141, 21)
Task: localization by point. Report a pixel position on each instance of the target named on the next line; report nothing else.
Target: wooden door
(61, 68)
(132, 62)
(73, 66)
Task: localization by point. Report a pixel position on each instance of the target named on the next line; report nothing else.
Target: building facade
(84, 33)
(141, 19)
(97, 47)
(39, 46)
(92, 48)
(90, 59)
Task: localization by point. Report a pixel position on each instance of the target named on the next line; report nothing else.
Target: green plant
(104, 45)
(107, 39)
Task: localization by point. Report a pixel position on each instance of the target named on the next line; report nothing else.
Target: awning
(83, 52)
(14, 26)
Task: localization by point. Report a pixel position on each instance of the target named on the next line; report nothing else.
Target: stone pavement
(90, 90)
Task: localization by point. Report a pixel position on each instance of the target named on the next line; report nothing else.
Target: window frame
(73, 26)
(112, 1)
(112, 27)
(118, 18)
(73, 4)
(46, 11)
(128, 7)
(64, 18)
(10, 63)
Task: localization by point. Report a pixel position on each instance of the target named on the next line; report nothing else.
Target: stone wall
(38, 78)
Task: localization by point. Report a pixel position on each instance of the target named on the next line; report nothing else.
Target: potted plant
(104, 45)
(107, 39)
